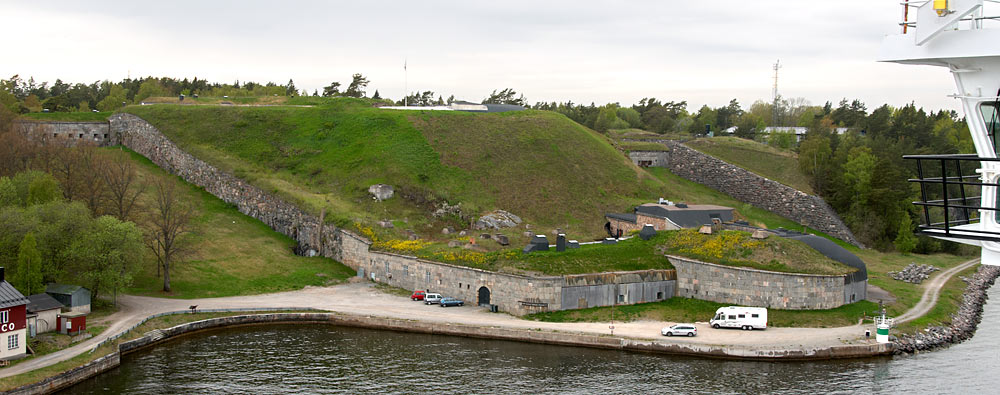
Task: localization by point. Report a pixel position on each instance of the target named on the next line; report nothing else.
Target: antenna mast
(774, 95)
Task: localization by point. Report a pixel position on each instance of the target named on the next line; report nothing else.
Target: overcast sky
(705, 52)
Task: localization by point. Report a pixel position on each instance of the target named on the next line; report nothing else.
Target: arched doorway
(484, 296)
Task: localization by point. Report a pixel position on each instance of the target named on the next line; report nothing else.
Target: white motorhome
(746, 318)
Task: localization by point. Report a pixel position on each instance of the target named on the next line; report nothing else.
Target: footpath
(364, 300)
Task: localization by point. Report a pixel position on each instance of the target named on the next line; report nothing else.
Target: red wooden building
(13, 321)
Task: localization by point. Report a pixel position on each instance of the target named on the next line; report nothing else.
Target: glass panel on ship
(990, 112)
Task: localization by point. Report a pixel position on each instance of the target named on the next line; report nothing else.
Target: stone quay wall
(752, 287)
(106, 363)
(69, 133)
(748, 187)
(511, 293)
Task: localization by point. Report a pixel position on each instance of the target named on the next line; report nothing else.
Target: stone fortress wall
(748, 187)
(752, 287)
(511, 293)
(68, 132)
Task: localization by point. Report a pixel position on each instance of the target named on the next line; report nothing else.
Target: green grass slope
(231, 253)
(539, 165)
(775, 164)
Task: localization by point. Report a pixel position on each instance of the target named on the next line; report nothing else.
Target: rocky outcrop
(496, 220)
(963, 323)
(913, 273)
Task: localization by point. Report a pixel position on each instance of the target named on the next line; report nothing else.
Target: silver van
(432, 298)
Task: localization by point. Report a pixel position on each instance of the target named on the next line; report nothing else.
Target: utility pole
(406, 83)
(774, 95)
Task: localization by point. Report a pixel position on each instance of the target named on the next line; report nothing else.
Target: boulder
(502, 239)
(705, 229)
(447, 231)
(385, 224)
(498, 219)
(381, 191)
(760, 234)
(454, 243)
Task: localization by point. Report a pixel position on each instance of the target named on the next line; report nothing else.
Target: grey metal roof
(42, 302)
(65, 289)
(9, 296)
(692, 217)
(623, 217)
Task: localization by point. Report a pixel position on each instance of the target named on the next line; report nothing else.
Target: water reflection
(327, 359)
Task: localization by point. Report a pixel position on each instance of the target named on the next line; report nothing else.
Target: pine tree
(376, 95)
(905, 240)
(28, 278)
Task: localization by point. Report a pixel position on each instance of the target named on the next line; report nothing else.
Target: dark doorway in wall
(484, 296)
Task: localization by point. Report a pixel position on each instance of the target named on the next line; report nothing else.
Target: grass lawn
(537, 164)
(69, 116)
(776, 164)
(230, 253)
(694, 310)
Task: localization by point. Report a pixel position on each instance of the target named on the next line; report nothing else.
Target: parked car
(432, 298)
(680, 330)
(417, 295)
(445, 302)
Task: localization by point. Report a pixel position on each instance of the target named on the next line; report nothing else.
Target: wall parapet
(761, 288)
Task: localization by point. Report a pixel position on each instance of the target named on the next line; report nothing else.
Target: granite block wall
(751, 287)
(68, 132)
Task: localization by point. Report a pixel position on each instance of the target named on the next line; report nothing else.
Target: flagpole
(406, 82)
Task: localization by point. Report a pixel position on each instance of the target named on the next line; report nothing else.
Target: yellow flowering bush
(464, 256)
(401, 246)
(366, 231)
(723, 245)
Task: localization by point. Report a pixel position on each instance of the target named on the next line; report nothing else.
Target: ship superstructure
(958, 192)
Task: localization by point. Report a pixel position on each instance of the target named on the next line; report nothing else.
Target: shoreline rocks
(963, 323)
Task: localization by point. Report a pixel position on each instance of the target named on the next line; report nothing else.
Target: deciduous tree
(169, 219)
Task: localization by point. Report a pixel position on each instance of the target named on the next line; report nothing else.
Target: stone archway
(484, 296)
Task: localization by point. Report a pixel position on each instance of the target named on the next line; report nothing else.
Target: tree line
(83, 215)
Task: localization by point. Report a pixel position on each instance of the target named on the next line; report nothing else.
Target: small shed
(73, 297)
(71, 323)
(45, 308)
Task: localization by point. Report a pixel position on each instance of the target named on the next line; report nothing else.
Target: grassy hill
(231, 253)
(539, 165)
(779, 165)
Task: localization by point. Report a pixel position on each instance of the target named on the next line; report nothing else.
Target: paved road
(362, 298)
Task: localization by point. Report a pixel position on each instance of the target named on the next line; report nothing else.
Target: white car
(680, 330)
(432, 298)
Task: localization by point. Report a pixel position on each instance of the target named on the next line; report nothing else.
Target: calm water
(329, 359)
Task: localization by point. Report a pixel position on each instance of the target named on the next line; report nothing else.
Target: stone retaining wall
(751, 287)
(68, 132)
(512, 293)
(748, 187)
(113, 360)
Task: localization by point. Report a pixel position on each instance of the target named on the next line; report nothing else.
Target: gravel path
(364, 299)
(932, 289)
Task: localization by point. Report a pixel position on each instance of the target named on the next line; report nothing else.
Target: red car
(417, 295)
